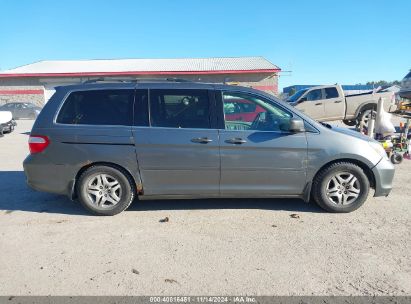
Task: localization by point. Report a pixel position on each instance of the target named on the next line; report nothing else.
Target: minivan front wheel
(105, 190)
(341, 187)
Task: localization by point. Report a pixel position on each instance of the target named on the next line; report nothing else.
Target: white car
(7, 122)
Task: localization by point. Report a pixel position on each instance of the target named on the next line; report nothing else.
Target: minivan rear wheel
(105, 190)
(341, 187)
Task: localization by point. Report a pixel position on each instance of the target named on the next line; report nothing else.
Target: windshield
(296, 96)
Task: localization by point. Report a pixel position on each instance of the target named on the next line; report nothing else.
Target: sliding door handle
(337, 101)
(236, 141)
(318, 103)
(201, 140)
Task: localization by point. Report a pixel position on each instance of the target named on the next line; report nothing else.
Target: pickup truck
(327, 103)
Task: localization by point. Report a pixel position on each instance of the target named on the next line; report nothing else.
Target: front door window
(248, 112)
(314, 95)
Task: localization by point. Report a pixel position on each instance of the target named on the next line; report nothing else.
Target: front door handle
(201, 140)
(337, 101)
(236, 141)
(318, 103)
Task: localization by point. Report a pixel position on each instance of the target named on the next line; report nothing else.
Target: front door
(178, 154)
(334, 105)
(259, 156)
(312, 104)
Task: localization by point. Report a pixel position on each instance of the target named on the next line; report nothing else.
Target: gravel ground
(49, 245)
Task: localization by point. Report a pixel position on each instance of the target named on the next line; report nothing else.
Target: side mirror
(302, 100)
(296, 125)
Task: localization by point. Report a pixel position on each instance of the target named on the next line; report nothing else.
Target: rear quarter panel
(356, 103)
(73, 147)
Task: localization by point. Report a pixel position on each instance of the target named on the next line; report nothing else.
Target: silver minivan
(108, 143)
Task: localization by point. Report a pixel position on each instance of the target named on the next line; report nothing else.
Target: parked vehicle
(107, 143)
(22, 110)
(327, 103)
(406, 87)
(7, 122)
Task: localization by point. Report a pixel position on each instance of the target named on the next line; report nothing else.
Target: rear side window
(180, 108)
(331, 93)
(98, 107)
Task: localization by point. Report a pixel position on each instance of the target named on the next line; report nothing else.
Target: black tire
(350, 123)
(126, 196)
(323, 180)
(396, 158)
(9, 130)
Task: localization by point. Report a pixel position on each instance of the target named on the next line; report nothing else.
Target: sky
(319, 42)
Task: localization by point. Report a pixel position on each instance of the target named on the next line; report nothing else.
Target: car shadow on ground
(15, 195)
(232, 203)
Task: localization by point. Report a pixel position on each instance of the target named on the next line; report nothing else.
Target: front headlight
(379, 149)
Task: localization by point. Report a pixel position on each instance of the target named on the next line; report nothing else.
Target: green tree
(383, 83)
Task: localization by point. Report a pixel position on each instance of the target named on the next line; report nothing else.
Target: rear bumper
(46, 177)
(384, 175)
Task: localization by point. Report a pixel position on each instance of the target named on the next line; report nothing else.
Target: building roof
(103, 67)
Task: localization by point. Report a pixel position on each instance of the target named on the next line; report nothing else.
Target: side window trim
(213, 109)
(140, 105)
(220, 123)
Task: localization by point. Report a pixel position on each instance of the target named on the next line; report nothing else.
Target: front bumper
(384, 175)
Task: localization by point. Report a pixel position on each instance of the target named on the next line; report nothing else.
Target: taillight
(38, 143)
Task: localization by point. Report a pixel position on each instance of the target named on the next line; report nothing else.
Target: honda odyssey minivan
(107, 143)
